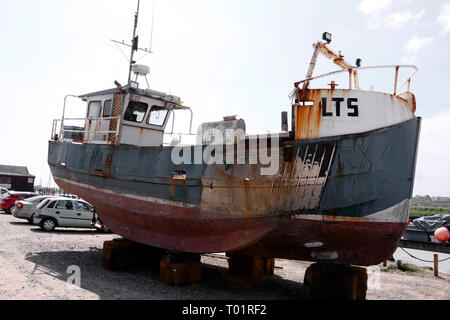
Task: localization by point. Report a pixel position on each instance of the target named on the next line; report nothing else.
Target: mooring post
(436, 265)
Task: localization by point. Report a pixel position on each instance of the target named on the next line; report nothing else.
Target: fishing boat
(338, 191)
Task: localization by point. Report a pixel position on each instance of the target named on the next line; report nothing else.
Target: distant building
(16, 178)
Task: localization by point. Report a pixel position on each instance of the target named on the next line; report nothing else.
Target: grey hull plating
(357, 177)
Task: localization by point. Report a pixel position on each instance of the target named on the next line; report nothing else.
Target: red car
(7, 203)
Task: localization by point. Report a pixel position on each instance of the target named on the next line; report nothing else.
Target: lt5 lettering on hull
(340, 104)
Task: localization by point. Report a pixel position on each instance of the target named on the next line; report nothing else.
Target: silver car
(66, 213)
(25, 209)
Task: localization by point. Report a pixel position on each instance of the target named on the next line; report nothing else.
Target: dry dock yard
(36, 265)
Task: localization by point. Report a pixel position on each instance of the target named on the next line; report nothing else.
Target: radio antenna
(151, 34)
(135, 43)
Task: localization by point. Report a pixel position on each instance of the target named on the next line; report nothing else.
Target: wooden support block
(333, 281)
(180, 273)
(123, 254)
(251, 266)
(269, 266)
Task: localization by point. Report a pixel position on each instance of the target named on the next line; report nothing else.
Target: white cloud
(416, 44)
(433, 171)
(374, 6)
(420, 14)
(374, 22)
(408, 59)
(444, 17)
(399, 19)
(377, 18)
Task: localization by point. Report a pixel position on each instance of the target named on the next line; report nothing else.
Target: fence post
(436, 265)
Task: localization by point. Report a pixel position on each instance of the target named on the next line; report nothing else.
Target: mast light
(327, 37)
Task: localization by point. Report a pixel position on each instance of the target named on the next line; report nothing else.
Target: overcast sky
(221, 57)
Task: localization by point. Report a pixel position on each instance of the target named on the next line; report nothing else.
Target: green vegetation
(398, 265)
(406, 267)
(428, 211)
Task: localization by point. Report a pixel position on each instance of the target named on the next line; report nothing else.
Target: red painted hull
(172, 227)
(193, 230)
(359, 243)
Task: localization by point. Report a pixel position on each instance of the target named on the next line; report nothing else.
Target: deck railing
(353, 75)
(89, 133)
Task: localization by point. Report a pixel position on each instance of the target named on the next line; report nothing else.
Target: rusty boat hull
(342, 199)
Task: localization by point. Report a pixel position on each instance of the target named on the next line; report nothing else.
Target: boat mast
(134, 47)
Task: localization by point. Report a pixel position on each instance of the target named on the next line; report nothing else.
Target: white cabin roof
(142, 92)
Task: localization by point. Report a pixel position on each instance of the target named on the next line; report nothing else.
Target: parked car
(9, 200)
(3, 192)
(65, 213)
(25, 209)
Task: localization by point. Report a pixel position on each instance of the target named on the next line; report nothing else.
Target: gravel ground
(34, 265)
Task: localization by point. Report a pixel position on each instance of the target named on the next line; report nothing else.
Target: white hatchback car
(64, 212)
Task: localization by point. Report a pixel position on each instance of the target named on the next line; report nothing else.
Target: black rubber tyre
(47, 224)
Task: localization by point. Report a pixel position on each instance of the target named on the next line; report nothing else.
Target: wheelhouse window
(107, 109)
(94, 109)
(136, 111)
(157, 116)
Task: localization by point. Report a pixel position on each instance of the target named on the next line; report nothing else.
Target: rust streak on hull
(308, 122)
